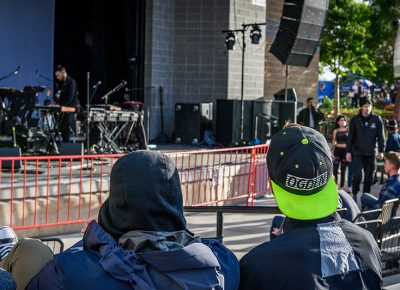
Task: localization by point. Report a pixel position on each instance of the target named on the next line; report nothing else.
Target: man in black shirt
(310, 116)
(366, 130)
(66, 95)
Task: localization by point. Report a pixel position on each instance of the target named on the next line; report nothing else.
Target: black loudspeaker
(266, 121)
(272, 116)
(10, 152)
(71, 149)
(286, 112)
(300, 31)
(291, 95)
(191, 120)
(228, 121)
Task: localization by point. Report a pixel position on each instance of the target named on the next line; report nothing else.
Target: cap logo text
(300, 183)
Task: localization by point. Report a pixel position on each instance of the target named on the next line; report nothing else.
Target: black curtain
(105, 38)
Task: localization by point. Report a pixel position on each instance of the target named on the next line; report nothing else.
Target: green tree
(383, 36)
(344, 41)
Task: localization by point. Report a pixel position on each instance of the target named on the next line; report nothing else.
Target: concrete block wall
(159, 61)
(304, 80)
(186, 55)
(244, 11)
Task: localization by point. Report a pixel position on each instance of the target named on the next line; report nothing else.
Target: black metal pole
(220, 224)
(88, 111)
(242, 84)
(286, 82)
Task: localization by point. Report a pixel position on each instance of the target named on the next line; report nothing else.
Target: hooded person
(141, 240)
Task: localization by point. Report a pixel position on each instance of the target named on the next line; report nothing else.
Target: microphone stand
(88, 111)
(93, 93)
(117, 88)
(9, 75)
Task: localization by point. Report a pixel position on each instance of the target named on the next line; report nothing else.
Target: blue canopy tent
(349, 85)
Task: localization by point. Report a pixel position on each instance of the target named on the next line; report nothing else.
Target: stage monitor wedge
(15, 164)
(300, 31)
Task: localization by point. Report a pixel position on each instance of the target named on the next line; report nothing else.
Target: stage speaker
(291, 95)
(191, 120)
(266, 124)
(10, 152)
(71, 149)
(299, 32)
(286, 112)
(228, 121)
(272, 116)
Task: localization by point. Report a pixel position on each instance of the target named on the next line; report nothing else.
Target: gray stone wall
(200, 72)
(159, 62)
(186, 55)
(244, 11)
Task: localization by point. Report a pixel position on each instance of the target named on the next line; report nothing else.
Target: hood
(132, 267)
(145, 194)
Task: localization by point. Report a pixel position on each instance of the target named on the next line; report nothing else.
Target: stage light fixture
(230, 40)
(255, 34)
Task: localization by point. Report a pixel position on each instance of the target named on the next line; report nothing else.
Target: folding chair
(373, 226)
(368, 215)
(389, 243)
(56, 245)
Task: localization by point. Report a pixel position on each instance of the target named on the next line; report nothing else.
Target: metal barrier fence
(221, 210)
(46, 191)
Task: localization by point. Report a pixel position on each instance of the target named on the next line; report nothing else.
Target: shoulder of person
(356, 234)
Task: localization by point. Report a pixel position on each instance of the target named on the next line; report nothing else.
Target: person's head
(392, 126)
(392, 163)
(365, 107)
(145, 194)
(301, 173)
(61, 73)
(341, 121)
(309, 102)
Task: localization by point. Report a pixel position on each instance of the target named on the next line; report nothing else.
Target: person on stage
(66, 95)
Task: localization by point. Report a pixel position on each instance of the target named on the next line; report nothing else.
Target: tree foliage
(359, 37)
(344, 42)
(383, 34)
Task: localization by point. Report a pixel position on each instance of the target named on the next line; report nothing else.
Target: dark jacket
(347, 201)
(6, 281)
(393, 142)
(330, 253)
(304, 117)
(67, 91)
(142, 260)
(362, 139)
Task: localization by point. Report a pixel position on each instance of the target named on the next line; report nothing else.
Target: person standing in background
(365, 132)
(310, 116)
(339, 140)
(66, 95)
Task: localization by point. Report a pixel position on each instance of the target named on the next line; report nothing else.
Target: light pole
(255, 35)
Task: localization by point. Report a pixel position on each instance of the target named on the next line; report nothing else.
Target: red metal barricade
(62, 190)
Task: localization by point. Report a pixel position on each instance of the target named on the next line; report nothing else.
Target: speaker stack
(299, 31)
(228, 121)
(191, 121)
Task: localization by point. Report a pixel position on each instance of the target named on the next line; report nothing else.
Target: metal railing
(46, 191)
(221, 210)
